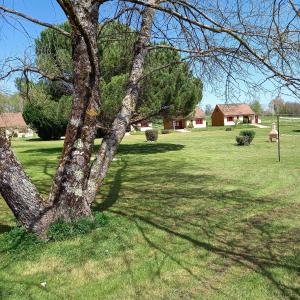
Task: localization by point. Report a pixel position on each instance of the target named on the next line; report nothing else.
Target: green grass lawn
(192, 216)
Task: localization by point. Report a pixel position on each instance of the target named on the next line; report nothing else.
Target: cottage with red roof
(14, 125)
(142, 125)
(230, 114)
(196, 119)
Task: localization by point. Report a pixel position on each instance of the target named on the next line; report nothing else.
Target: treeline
(11, 103)
(279, 106)
(290, 108)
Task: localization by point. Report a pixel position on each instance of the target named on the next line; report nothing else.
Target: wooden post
(278, 140)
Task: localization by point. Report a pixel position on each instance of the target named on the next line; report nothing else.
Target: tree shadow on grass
(114, 191)
(48, 166)
(35, 139)
(148, 148)
(238, 255)
(44, 151)
(5, 228)
(196, 215)
(138, 148)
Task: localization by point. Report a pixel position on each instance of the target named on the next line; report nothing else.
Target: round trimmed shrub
(242, 140)
(248, 133)
(151, 135)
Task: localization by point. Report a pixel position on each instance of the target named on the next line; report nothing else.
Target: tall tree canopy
(167, 86)
(10, 103)
(256, 106)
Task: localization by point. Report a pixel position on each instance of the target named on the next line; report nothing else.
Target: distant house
(141, 126)
(230, 114)
(194, 120)
(14, 125)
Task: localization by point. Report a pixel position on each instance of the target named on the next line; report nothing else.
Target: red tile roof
(236, 109)
(8, 120)
(199, 113)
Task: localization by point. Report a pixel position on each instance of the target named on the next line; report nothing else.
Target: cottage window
(199, 121)
(229, 119)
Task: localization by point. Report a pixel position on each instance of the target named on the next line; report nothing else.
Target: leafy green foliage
(242, 140)
(249, 133)
(61, 230)
(151, 135)
(166, 83)
(100, 219)
(18, 239)
(256, 107)
(10, 103)
(245, 138)
(48, 118)
(172, 85)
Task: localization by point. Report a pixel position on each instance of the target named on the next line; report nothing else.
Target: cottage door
(178, 125)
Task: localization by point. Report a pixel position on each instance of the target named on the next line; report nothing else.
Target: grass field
(192, 216)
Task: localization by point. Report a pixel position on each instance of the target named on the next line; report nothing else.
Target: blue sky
(14, 37)
(15, 42)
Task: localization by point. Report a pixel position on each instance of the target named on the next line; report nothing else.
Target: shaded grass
(192, 217)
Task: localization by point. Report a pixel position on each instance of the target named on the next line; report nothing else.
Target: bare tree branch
(36, 21)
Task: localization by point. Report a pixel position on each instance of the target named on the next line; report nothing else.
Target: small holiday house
(142, 125)
(231, 114)
(196, 119)
(14, 125)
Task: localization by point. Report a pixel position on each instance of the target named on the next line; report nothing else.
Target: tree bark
(68, 187)
(111, 142)
(66, 199)
(17, 189)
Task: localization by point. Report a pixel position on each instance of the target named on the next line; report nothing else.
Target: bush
(151, 135)
(84, 226)
(242, 140)
(100, 219)
(18, 239)
(249, 133)
(191, 126)
(61, 230)
(228, 129)
(165, 131)
(49, 119)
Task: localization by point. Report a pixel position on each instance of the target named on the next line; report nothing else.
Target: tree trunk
(66, 199)
(111, 142)
(68, 187)
(17, 189)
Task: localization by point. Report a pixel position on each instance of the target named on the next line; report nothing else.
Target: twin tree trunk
(77, 178)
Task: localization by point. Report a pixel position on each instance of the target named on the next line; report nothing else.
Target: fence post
(278, 140)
